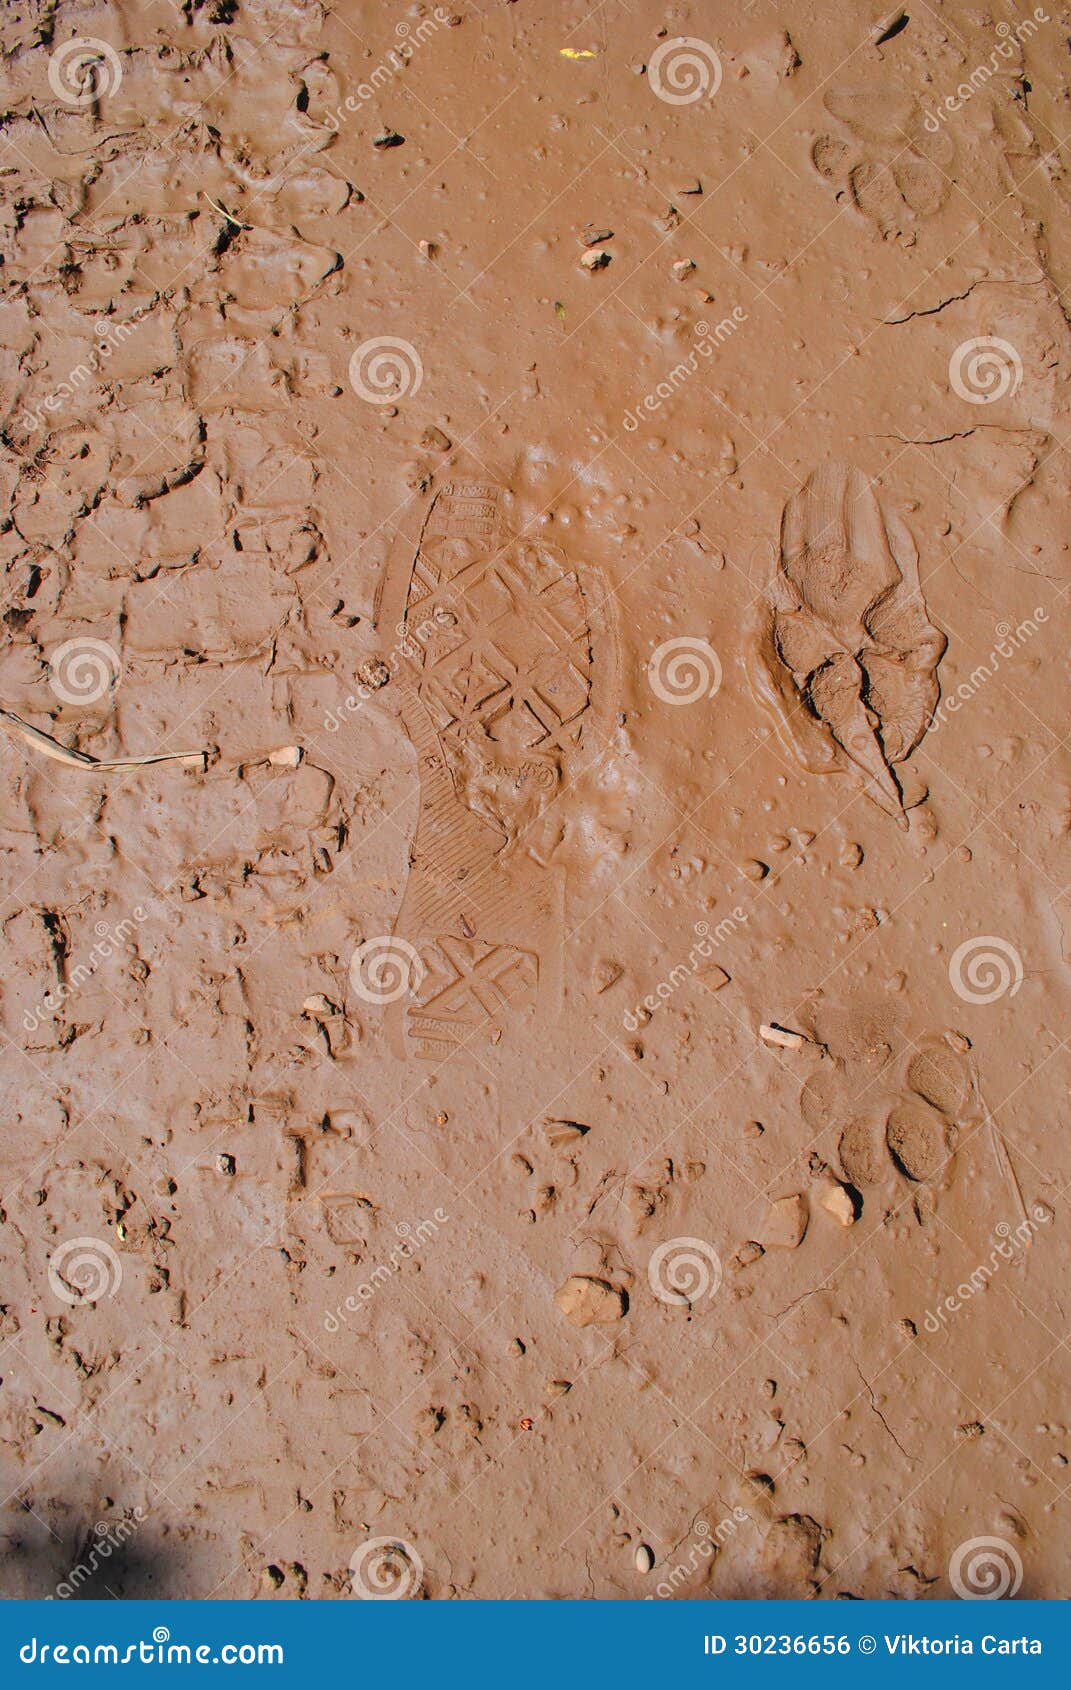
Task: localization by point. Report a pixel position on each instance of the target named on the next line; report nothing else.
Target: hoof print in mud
(846, 655)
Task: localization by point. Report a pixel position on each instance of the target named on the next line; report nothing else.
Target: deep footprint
(847, 656)
(496, 696)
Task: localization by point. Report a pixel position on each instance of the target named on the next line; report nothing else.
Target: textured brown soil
(563, 1092)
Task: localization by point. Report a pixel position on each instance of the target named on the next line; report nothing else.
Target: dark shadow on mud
(98, 1566)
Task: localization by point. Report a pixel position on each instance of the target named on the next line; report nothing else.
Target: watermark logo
(106, 1540)
(700, 953)
(413, 638)
(108, 941)
(985, 1569)
(708, 339)
(684, 70)
(385, 369)
(1011, 37)
(386, 1569)
(83, 1270)
(985, 969)
(684, 1271)
(1008, 640)
(83, 71)
(82, 670)
(110, 336)
(985, 369)
(159, 1651)
(1008, 1242)
(410, 1241)
(684, 670)
(385, 969)
(410, 37)
(704, 1546)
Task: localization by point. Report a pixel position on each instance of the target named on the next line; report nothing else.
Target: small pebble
(318, 1004)
(591, 1302)
(837, 1201)
(786, 1223)
(783, 1037)
(563, 1135)
(887, 24)
(373, 673)
(286, 757)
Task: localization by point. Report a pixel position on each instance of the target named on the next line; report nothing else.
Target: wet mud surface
(535, 799)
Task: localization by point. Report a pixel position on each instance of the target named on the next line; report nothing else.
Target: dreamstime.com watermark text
(1011, 36)
(703, 1548)
(105, 1541)
(410, 1241)
(158, 1651)
(410, 37)
(707, 938)
(381, 670)
(110, 336)
(108, 941)
(709, 338)
(1009, 640)
(1007, 1241)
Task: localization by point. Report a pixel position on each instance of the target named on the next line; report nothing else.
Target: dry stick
(45, 743)
(1000, 1152)
(237, 221)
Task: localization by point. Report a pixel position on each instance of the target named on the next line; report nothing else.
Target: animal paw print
(920, 1131)
(882, 159)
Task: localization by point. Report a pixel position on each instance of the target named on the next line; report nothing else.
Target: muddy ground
(555, 1085)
